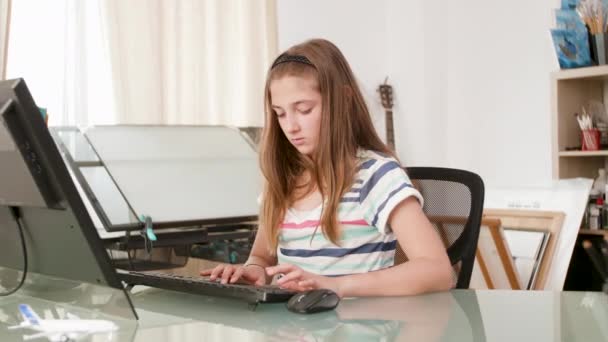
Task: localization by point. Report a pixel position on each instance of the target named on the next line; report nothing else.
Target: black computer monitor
(25, 177)
(61, 238)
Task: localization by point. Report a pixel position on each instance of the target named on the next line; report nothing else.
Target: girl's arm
(260, 252)
(427, 270)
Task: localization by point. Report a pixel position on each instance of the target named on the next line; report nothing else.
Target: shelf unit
(571, 89)
(599, 232)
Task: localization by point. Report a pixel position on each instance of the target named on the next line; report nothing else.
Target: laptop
(55, 218)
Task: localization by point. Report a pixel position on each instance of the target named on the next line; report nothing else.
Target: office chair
(453, 202)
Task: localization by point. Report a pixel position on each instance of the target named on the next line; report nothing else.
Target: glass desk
(459, 315)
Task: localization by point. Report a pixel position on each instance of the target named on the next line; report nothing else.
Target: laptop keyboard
(205, 286)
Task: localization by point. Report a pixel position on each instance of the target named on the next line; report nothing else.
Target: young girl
(335, 200)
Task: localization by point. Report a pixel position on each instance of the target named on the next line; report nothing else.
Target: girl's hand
(251, 274)
(296, 279)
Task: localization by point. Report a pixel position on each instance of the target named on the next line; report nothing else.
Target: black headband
(284, 58)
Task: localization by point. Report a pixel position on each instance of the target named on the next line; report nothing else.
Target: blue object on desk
(42, 112)
(148, 227)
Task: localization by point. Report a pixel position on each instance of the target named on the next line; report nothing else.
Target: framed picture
(494, 266)
(531, 237)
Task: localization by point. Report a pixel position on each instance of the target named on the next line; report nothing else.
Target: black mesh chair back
(453, 202)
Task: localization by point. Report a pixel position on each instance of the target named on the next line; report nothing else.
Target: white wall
(417, 67)
(483, 99)
(358, 28)
(471, 77)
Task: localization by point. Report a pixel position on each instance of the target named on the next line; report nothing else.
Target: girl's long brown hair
(346, 125)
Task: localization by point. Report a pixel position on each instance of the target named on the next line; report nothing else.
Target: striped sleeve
(384, 187)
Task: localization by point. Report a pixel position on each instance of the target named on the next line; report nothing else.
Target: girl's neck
(304, 185)
(306, 196)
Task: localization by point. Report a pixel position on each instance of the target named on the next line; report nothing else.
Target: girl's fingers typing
(283, 268)
(228, 271)
(255, 275)
(219, 269)
(237, 275)
(291, 276)
(293, 286)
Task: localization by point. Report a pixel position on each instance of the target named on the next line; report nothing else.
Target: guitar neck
(390, 134)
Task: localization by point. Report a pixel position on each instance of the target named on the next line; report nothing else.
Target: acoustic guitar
(386, 96)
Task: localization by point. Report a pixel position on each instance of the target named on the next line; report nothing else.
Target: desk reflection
(421, 318)
(433, 317)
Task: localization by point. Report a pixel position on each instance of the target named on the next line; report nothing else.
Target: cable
(127, 237)
(17, 216)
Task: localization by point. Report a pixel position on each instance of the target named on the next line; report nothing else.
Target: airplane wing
(56, 337)
(49, 335)
(19, 326)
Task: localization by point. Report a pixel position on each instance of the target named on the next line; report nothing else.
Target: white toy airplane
(61, 330)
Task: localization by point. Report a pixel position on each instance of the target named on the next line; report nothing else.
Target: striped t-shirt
(366, 242)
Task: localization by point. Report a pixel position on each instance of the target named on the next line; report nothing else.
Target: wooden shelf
(593, 72)
(593, 232)
(600, 153)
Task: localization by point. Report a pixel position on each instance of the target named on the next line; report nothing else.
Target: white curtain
(57, 47)
(5, 15)
(190, 61)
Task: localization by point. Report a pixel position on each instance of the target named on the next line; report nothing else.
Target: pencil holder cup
(599, 48)
(590, 140)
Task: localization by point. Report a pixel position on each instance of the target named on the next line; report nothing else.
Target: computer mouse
(313, 301)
